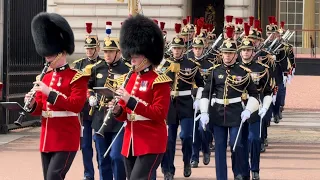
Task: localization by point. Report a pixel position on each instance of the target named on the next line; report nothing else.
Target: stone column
(308, 23)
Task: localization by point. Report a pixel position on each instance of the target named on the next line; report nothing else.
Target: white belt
(135, 117)
(180, 93)
(51, 114)
(225, 101)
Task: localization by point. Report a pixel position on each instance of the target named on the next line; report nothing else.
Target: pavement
(293, 152)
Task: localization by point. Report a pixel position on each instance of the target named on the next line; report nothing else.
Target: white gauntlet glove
(262, 112)
(204, 118)
(245, 115)
(92, 101)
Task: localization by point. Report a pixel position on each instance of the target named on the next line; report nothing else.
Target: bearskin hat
(52, 34)
(142, 36)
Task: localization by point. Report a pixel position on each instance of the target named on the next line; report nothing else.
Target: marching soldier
(255, 35)
(251, 129)
(108, 73)
(187, 33)
(202, 138)
(291, 66)
(92, 47)
(229, 82)
(184, 72)
(60, 95)
(144, 100)
(281, 71)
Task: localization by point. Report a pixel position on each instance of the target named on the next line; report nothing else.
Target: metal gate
(21, 63)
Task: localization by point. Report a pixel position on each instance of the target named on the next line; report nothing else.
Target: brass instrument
(110, 110)
(19, 121)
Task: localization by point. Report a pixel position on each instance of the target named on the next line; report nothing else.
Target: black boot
(280, 112)
(212, 147)
(268, 123)
(276, 119)
(255, 176)
(266, 142)
(194, 164)
(168, 176)
(263, 148)
(206, 158)
(187, 170)
(238, 177)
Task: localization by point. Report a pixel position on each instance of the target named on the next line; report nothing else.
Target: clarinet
(110, 110)
(18, 122)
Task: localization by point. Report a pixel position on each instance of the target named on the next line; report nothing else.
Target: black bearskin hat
(142, 36)
(52, 34)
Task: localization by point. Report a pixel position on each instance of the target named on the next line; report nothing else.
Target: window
(291, 12)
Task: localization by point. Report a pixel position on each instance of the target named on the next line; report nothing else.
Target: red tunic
(68, 95)
(147, 133)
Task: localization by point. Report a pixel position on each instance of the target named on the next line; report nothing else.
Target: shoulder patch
(78, 75)
(197, 63)
(263, 64)
(78, 60)
(246, 69)
(163, 78)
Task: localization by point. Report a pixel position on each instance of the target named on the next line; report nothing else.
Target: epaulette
(78, 60)
(197, 63)
(169, 61)
(264, 65)
(128, 64)
(215, 66)
(161, 79)
(78, 75)
(246, 69)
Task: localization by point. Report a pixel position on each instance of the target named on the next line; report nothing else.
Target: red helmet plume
(177, 28)
(282, 24)
(256, 24)
(251, 19)
(89, 27)
(185, 21)
(229, 19)
(246, 29)
(229, 32)
(162, 25)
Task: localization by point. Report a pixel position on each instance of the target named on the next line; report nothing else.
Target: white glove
(204, 118)
(245, 115)
(293, 71)
(213, 100)
(196, 104)
(274, 98)
(289, 79)
(285, 78)
(92, 101)
(262, 112)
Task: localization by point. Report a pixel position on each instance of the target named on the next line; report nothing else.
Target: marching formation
(220, 89)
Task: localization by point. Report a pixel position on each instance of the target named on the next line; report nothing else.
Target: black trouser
(142, 167)
(55, 165)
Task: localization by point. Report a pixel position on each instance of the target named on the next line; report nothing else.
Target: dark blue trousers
(111, 167)
(167, 163)
(251, 139)
(201, 141)
(86, 149)
(221, 138)
(281, 94)
(266, 120)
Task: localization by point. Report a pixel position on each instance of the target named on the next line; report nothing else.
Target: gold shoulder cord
(187, 79)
